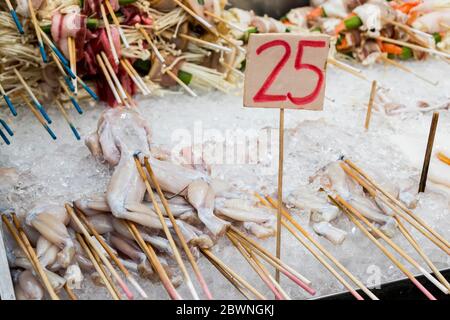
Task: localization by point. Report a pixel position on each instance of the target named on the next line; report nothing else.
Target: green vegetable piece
(407, 53)
(352, 23)
(184, 76)
(437, 37)
(142, 66)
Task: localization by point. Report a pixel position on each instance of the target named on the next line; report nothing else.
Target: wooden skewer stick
(8, 101)
(402, 207)
(73, 61)
(428, 152)
(391, 243)
(399, 265)
(374, 193)
(153, 258)
(32, 255)
(109, 34)
(108, 79)
(181, 83)
(133, 77)
(233, 43)
(70, 293)
(177, 230)
(37, 29)
(200, 19)
(137, 75)
(422, 253)
(211, 45)
(323, 250)
(6, 284)
(39, 117)
(207, 253)
(275, 262)
(32, 96)
(414, 46)
(97, 267)
(347, 68)
(441, 156)
(406, 69)
(264, 277)
(66, 117)
(269, 281)
(110, 253)
(228, 23)
(166, 230)
(151, 44)
(71, 98)
(315, 253)
(113, 75)
(373, 92)
(105, 261)
(117, 23)
(280, 187)
(57, 52)
(14, 16)
(230, 278)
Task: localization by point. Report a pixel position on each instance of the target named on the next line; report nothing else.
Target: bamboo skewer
(177, 230)
(66, 117)
(264, 277)
(166, 230)
(113, 75)
(347, 68)
(413, 46)
(38, 117)
(136, 74)
(32, 96)
(71, 98)
(108, 79)
(133, 77)
(323, 250)
(111, 254)
(117, 23)
(315, 253)
(394, 246)
(105, 261)
(181, 83)
(277, 263)
(441, 156)
(207, 253)
(202, 20)
(8, 101)
(428, 151)
(401, 206)
(37, 29)
(399, 265)
(230, 278)
(210, 45)
(70, 293)
(373, 92)
(97, 267)
(153, 258)
(109, 34)
(151, 44)
(14, 16)
(32, 255)
(73, 62)
(406, 69)
(422, 253)
(393, 205)
(228, 23)
(57, 52)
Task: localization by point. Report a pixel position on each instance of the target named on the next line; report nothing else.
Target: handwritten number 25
(262, 96)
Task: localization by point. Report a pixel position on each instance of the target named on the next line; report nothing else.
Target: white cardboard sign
(285, 70)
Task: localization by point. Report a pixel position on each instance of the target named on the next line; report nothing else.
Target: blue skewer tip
(69, 83)
(4, 137)
(89, 90)
(50, 132)
(69, 71)
(43, 54)
(43, 113)
(60, 55)
(7, 128)
(75, 132)
(76, 105)
(10, 105)
(17, 21)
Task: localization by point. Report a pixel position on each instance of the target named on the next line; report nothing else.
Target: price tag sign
(286, 71)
